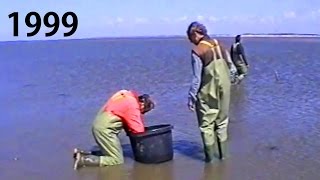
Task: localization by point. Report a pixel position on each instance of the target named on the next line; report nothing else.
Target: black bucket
(154, 145)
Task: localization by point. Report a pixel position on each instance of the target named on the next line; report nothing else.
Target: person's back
(214, 51)
(125, 105)
(234, 52)
(219, 79)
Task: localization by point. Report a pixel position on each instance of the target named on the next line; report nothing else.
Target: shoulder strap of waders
(213, 47)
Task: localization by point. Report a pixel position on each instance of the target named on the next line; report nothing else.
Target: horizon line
(178, 36)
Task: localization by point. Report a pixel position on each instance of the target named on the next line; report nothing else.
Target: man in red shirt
(123, 110)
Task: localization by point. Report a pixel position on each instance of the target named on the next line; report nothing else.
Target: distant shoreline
(279, 35)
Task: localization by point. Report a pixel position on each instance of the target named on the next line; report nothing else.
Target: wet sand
(51, 91)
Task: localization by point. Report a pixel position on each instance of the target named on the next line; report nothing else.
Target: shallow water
(51, 90)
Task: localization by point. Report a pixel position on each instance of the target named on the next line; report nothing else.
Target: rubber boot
(209, 152)
(86, 160)
(223, 150)
(76, 150)
(216, 151)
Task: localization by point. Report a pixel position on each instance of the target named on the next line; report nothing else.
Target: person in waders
(239, 58)
(123, 110)
(209, 93)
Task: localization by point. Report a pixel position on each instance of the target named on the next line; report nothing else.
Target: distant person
(239, 58)
(123, 110)
(209, 93)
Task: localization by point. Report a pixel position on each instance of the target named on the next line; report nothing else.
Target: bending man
(122, 111)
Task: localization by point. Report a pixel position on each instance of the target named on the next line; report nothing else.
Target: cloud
(224, 18)
(119, 20)
(110, 22)
(315, 13)
(289, 14)
(200, 18)
(302, 17)
(166, 19)
(182, 19)
(267, 20)
(114, 21)
(238, 19)
(213, 19)
(141, 20)
(245, 20)
(175, 20)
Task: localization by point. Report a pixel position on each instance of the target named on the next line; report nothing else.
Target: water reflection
(217, 171)
(163, 171)
(113, 173)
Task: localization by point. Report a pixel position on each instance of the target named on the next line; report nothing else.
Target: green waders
(212, 108)
(105, 130)
(242, 68)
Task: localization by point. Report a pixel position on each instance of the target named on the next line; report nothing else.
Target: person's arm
(242, 53)
(231, 53)
(228, 59)
(133, 119)
(196, 79)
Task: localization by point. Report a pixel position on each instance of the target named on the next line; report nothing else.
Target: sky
(111, 18)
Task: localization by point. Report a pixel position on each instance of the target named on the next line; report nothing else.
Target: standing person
(239, 58)
(123, 110)
(209, 93)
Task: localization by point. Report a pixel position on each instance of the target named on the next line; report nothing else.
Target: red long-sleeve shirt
(125, 105)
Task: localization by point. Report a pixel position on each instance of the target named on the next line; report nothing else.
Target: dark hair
(197, 27)
(148, 103)
(238, 38)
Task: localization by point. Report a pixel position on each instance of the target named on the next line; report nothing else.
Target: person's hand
(191, 105)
